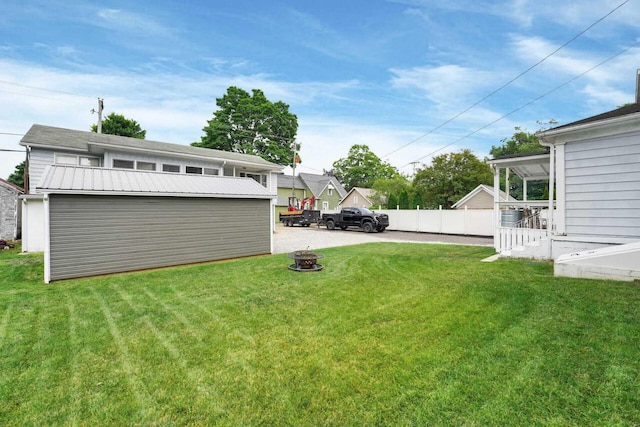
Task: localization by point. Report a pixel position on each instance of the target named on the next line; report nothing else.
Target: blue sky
(374, 72)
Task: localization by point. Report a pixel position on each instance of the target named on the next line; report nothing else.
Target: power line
(510, 81)
(42, 88)
(528, 103)
(12, 134)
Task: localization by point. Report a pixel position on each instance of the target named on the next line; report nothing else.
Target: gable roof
(11, 186)
(59, 179)
(618, 112)
(84, 141)
(288, 181)
(364, 192)
(482, 188)
(317, 183)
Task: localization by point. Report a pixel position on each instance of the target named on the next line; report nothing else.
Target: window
(63, 159)
(261, 179)
(330, 191)
(89, 161)
(355, 200)
(74, 160)
(210, 171)
(145, 166)
(171, 168)
(123, 164)
(194, 169)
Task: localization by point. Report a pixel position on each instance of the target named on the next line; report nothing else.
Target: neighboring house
(326, 189)
(594, 165)
(481, 197)
(103, 203)
(10, 210)
(358, 197)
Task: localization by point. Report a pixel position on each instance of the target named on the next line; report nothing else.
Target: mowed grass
(386, 334)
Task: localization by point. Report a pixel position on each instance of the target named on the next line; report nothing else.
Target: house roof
(317, 183)
(482, 188)
(287, 181)
(84, 141)
(11, 186)
(59, 179)
(532, 166)
(364, 192)
(618, 112)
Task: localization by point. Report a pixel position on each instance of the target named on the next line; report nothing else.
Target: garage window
(71, 159)
(123, 164)
(170, 168)
(145, 166)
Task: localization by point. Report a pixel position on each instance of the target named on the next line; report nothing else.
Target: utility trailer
(297, 215)
(304, 217)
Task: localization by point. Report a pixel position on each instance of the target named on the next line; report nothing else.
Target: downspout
(47, 239)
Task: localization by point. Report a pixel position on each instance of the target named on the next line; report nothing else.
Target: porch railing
(510, 238)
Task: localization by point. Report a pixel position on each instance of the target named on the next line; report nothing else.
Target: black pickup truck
(356, 217)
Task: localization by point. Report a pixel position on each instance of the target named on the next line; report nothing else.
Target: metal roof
(91, 180)
(91, 142)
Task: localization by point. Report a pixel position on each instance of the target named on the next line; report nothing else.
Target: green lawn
(386, 334)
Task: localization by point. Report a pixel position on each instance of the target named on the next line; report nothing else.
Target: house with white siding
(591, 227)
(101, 203)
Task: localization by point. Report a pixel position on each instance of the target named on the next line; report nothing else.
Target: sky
(410, 79)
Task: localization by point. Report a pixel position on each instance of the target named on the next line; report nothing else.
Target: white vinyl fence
(473, 222)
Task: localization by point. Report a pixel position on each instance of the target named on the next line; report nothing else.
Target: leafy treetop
(17, 177)
(117, 124)
(361, 168)
(251, 124)
(521, 142)
(450, 177)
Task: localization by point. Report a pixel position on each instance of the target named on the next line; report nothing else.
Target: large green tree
(117, 124)
(361, 168)
(17, 177)
(521, 142)
(450, 177)
(384, 187)
(251, 124)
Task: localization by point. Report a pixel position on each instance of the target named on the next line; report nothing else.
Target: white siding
(38, 160)
(602, 183)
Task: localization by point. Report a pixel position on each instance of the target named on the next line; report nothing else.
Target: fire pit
(305, 261)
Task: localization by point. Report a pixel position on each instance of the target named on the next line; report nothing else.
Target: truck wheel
(330, 224)
(367, 227)
(381, 228)
(343, 227)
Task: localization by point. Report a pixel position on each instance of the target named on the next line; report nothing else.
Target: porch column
(552, 178)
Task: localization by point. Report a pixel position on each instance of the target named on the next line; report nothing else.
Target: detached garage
(100, 221)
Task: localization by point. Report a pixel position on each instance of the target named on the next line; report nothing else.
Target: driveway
(289, 239)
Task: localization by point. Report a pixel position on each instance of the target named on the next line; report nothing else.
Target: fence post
(466, 230)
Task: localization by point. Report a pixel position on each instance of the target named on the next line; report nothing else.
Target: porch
(523, 227)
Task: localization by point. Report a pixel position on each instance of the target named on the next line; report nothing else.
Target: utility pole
(414, 167)
(100, 108)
